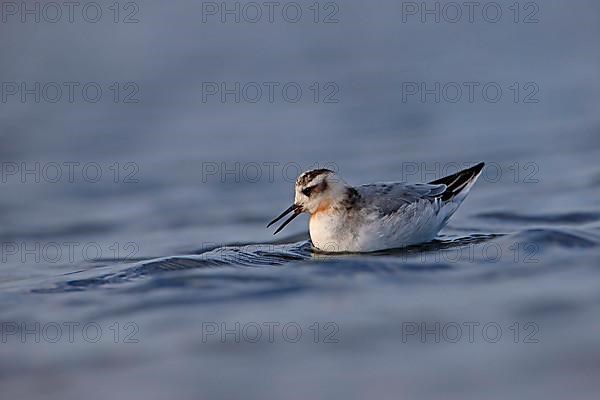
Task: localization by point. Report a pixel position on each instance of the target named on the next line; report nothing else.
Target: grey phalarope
(376, 216)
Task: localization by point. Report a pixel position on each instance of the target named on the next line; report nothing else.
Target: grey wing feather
(389, 197)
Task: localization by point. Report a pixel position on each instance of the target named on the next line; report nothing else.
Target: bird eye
(307, 191)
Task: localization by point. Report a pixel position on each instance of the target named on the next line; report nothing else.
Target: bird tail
(459, 184)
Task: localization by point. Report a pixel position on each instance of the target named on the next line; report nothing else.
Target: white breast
(415, 223)
(328, 232)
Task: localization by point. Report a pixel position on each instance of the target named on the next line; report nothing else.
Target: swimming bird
(375, 216)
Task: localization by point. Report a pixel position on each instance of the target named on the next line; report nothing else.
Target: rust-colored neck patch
(324, 207)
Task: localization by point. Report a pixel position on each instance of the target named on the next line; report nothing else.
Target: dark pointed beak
(297, 211)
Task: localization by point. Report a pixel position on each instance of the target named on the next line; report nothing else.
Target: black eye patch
(314, 189)
(307, 191)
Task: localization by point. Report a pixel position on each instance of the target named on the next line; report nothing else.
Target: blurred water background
(136, 215)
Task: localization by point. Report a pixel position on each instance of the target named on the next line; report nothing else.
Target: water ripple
(228, 271)
(565, 218)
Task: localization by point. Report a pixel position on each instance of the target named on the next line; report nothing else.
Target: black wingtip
(479, 166)
(475, 169)
(457, 182)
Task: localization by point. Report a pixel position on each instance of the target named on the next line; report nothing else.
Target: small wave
(548, 307)
(564, 238)
(564, 218)
(259, 255)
